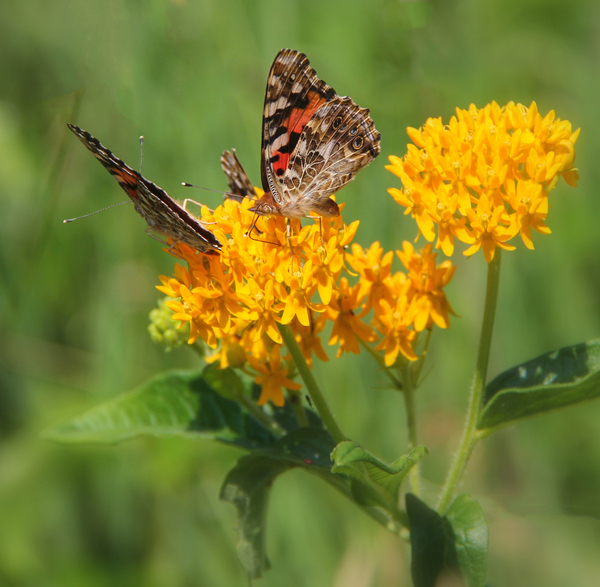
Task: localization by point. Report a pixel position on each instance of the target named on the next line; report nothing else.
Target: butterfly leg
(320, 219)
(253, 228)
(204, 223)
(288, 234)
(185, 203)
(162, 242)
(321, 230)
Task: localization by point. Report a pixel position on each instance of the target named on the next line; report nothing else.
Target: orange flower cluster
(484, 177)
(237, 301)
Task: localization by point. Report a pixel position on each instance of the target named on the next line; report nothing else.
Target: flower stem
(394, 525)
(256, 412)
(380, 361)
(295, 399)
(470, 438)
(311, 384)
(408, 392)
(422, 356)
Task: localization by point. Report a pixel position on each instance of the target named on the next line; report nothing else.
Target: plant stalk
(310, 382)
(257, 413)
(380, 516)
(470, 438)
(380, 361)
(295, 399)
(408, 392)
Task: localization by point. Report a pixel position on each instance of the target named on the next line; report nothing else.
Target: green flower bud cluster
(163, 330)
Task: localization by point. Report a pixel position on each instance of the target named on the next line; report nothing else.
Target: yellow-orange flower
(347, 327)
(309, 340)
(373, 267)
(238, 301)
(393, 322)
(273, 379)
(485, 176)
(426, 282)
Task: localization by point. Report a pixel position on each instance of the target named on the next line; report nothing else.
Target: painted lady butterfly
(313, 142)
(163, 214)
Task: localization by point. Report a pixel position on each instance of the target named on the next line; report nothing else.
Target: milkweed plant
(261, 313)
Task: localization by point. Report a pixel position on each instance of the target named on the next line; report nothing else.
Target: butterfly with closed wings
(162, 213)
(313, 142)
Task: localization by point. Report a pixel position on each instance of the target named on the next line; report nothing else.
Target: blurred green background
(74, 299)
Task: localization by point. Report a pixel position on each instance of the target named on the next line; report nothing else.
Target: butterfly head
(266, 206)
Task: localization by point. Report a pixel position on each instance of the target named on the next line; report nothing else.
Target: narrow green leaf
(247, 486)
(549, 382)
(452, 545)
(374, 483)
(471, 537)
(175, 403)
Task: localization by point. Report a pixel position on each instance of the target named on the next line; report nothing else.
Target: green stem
(408, 392)
(381, 362)
(256, 412)
(470, 438)
(296, 400)
(311, 384)
(422, 356)
(381, 517)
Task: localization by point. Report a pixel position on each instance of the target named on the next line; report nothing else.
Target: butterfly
(313, 142)
(163, 214)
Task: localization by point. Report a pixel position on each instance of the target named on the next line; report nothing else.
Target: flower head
(485, 176)
(238, 301)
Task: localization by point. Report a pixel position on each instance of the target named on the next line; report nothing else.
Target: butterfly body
(162, 213)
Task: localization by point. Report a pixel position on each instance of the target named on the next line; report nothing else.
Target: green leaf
(450, 545)
(549, 382)
(175, 403)
(306, 447)
(247, 486)
(471, 538)
(374, 483)
(432, 552)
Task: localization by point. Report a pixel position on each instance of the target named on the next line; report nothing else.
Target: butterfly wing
(294, 93)
(163, 214)
(337, 142)
(240, 186)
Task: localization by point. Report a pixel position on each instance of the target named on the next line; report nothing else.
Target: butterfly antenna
(96, 212)
(141, 152)
(191, 185)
